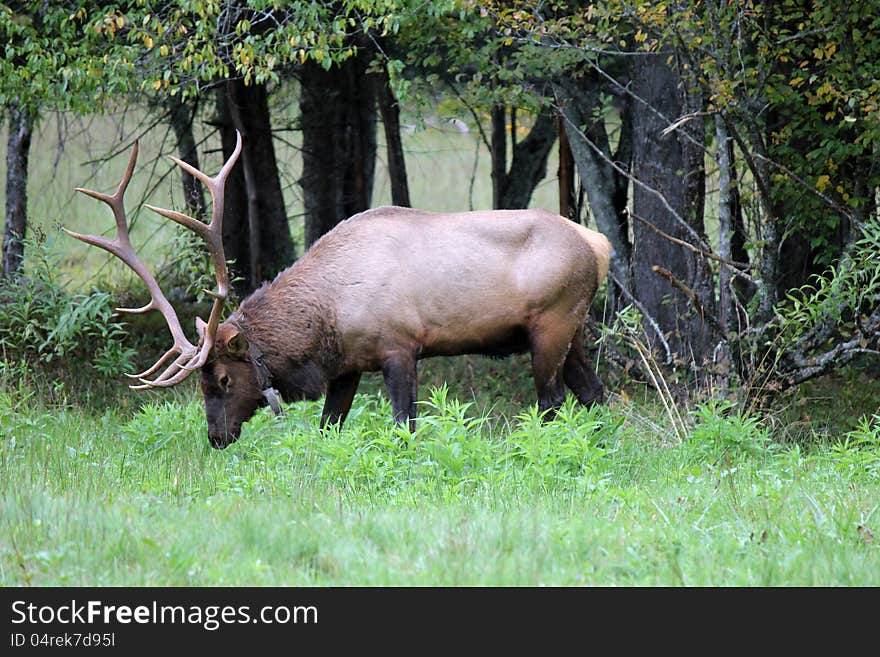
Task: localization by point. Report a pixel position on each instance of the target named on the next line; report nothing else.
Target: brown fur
(392, 285)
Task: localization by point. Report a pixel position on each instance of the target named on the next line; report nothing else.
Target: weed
(721, 431)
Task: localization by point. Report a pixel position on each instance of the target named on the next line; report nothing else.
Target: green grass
(137, 497)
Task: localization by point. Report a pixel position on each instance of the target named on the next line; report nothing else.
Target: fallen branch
(797, 362)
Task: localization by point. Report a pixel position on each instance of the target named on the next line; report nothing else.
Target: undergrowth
(45, 326)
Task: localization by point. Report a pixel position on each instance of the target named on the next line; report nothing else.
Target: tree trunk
(259, 207)
(673, 283)
(529, 164)
(745, 289)
(768, 229)
(726, 208)
(21, 125)
(360, 132)
(390, 113)
(322, 180)
(592, 154)
(338, 122)
(567, 199)
(235, 101)
(182, 116)
(498, 153)
(726, 293)
(623, 157)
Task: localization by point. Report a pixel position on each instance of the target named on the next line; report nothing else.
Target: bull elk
(382, 290)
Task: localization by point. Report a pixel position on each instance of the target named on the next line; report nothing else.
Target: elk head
(230, 376)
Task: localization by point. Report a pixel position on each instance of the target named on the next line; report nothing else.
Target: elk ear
(201, 325)
(236, 344)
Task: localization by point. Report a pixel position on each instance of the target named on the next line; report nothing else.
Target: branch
(645, 315)
(692, 296)
(796, 364)
(475, 115)
(810, 188)
(808, 368)
(737, 267)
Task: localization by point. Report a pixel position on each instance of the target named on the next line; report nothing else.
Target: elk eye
(224, 381)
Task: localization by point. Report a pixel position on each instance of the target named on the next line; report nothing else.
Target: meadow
(594, 497)
(103, 486)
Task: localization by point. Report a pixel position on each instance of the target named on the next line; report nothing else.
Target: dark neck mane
(294, 330)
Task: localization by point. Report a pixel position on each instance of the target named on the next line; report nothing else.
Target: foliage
(843, 297)
(473, 51)
(188, 270)
(722, 432)
(799, 87)
(859, 450)
(78, 55)
(824, 325)
(40, 321)
(56, 55)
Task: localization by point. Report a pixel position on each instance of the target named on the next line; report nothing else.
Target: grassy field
(102, 486)
(604, 497)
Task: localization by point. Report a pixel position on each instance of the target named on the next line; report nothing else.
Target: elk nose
(221, 440)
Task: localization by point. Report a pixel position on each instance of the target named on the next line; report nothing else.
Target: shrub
(43, 324)
(720, 430)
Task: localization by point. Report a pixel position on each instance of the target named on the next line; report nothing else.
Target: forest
(726, 150)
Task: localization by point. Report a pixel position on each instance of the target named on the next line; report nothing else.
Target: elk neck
(264, 376)
(291, 338)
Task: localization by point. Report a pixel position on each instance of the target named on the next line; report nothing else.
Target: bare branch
(645, 315)
(737, 267)
(692, 296)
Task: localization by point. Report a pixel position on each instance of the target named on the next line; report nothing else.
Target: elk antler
(189, 356)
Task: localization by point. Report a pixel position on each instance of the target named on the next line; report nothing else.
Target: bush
(721, 431)
(43, 324)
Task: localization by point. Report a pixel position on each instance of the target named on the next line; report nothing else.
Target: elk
(380, 291)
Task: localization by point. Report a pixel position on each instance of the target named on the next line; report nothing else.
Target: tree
(338, 122)
(673, 283)
(47, 64)
(327, 46)
(604, 173)
(77, 55)
(181, 116)
(466, 52)
(389, 111)
(786, 90)
(255, 226)
(513, 187)
(21, 125)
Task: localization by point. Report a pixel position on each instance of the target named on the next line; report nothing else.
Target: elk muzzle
(222, 437)
(226, 415)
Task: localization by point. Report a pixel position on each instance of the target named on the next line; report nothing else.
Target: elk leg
(555, 394)
(550, 342)
(400, 377)
(580, 377)
(337, 402)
